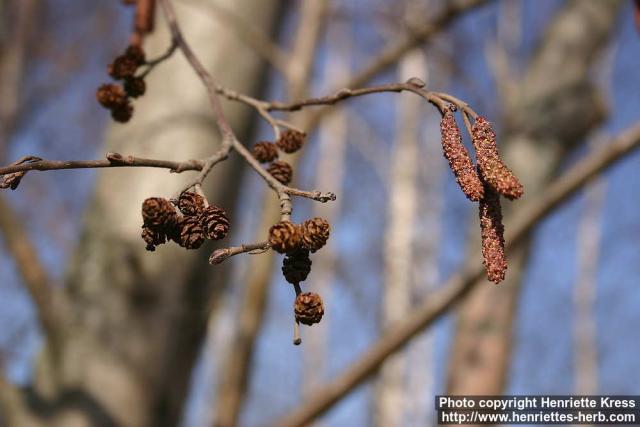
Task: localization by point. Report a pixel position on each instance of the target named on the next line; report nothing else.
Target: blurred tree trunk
(136, 320)
(554, 106)
(392, 383)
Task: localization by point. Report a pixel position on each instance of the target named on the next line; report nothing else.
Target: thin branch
(417, 35)
(36, 278)
(220, 255)
(112, 160)
(438, 303)
(153, 63)
(413, 85)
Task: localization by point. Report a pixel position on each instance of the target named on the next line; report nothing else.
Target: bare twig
(220, 255)
(112, 160)
(437, 304)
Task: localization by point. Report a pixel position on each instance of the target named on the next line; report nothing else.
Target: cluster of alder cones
(297, 241)
(117, 97)
(289, 142)
(188, 221)
(483, 183)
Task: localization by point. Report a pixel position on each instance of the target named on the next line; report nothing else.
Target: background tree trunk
(136, 319)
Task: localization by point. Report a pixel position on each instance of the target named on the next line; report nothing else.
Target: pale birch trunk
(399, 237)
(136, 319)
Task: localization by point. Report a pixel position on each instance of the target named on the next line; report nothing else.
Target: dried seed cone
(308, 308)
(315, 233)
(122, 67)
(158, 213)
(291, 140)
(122, 113)
(190, 203)
(111, 96)
(214, 222)
(191, 234)
(152, 237)
(265, 151)
(459, 159)
(285, 237)
(491, 167)
(135, 86)
(296, 266)
(281, 171)
(135, 53)
(492, 232)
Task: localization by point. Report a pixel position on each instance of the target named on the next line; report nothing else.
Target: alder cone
(281, 171)
(122, 113)
(308, 308)
(191, 234)
(459, 159)
(136, 54)
(265, 151)
(111, 95)
(122, 67)
(285, 237)
(315, 233)
(152, 237)
(291, 140)
(158, 213)
(190, 203)
(492, 233)
(296, 266)
(135, 86)
(491, 167)
(215, 223)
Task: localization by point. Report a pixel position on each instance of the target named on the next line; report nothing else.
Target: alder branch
(111, 160)
(438, 303)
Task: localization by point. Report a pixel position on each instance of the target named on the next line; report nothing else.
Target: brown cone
(492, 232)
(459, 159)
(158, 213)
(308, 308)
(122, 113)
(111, 96)
(291, 140)
(152, 237)
(190, 203)
(315, 233)
(135, 86)
(491, 167)
(136, 54)
(214, 222)
(281, 171)
(191, 235)
(122, 67)
(265, 151)
(296, 266)
(285, 237)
